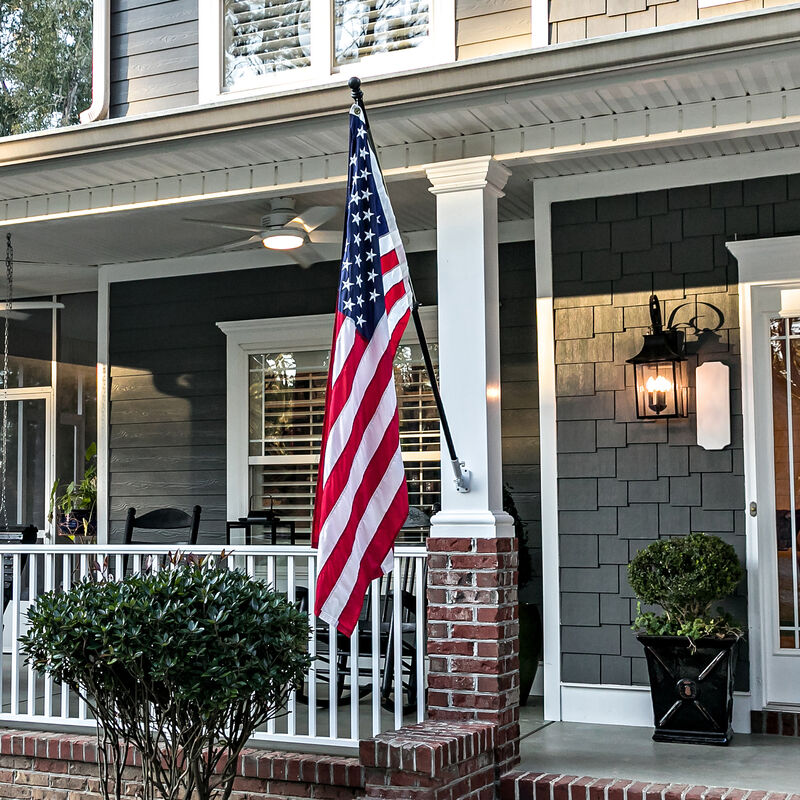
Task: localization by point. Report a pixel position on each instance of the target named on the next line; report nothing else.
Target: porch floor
(769, 763)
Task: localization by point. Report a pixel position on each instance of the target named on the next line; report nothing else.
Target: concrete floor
(770, 763)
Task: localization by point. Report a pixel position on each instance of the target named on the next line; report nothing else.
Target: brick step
(547, 786)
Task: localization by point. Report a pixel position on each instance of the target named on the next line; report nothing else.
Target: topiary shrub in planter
(691, 652)
(181, 664)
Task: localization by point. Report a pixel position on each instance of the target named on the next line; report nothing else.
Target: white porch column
(469, 343)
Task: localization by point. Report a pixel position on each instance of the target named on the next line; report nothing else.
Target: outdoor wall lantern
(660, 371)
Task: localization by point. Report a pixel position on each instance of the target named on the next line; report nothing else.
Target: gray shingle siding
(671, 242)
(154, 55)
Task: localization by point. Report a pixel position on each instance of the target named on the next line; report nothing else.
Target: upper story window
(258, 45)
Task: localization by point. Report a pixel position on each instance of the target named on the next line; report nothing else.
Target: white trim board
(547, 191)
(628, 705)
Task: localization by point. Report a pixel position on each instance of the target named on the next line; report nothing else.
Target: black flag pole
(461, 475)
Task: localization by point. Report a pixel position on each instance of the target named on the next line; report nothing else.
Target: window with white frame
(258, 44)
(283, 389)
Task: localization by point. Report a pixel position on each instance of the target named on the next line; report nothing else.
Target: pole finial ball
(355, 87)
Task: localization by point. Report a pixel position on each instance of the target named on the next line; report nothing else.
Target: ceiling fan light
(283, 239)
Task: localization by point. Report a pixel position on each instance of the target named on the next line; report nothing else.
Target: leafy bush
(685, 575)
(182, 664)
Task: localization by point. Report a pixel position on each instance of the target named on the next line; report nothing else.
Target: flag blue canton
(361, 282)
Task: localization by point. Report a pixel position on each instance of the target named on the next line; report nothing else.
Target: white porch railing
(354, 689)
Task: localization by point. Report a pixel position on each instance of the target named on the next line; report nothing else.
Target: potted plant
(75, 510)
(180, 664)
(530, 623)
(691, 652)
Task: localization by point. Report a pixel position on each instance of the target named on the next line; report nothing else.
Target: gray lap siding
(624, 482)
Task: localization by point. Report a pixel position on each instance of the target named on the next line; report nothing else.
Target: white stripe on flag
(337, 518)
(344, 343)
(373, 514)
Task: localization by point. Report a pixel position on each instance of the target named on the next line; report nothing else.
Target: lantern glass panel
(661, 389)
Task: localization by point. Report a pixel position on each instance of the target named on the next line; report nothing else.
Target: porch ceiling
(652, 108)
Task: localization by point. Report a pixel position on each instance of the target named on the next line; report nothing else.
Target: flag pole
(460, 474)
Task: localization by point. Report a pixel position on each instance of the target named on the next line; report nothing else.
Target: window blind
(367, 27)
(265, 36)
(287, 406)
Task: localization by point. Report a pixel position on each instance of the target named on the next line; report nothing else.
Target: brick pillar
(473, 636)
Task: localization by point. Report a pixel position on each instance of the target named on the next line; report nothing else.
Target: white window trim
(264, 335)
(440, 48)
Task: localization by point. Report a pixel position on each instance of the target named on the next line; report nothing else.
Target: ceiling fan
(282, 228)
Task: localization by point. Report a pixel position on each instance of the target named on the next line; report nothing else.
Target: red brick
(560, 787)
(446, 545)
(597, 789)
(543, 785)
(695, 793)
(616, 791)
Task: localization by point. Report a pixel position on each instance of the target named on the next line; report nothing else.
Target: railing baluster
(397, 620)
(333, 682)
(419, 636)
(49, 585)
(354, 688)
(33, 584)
(375, 635)
(271, 584)
(291, 722)
(312, 647)
(66, 582)
(16, 577)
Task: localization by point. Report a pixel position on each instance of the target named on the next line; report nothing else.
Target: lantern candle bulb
(657, 389)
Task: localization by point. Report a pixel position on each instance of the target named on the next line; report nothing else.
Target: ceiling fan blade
(306, 256)
(222, 248)
(315, 216)
(18, 315)
(30, 305)
(229, 226)
(325, 237)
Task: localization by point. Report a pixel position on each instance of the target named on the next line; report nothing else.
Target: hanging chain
(4, 435)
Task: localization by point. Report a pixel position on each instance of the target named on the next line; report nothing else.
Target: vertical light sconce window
(660, 371)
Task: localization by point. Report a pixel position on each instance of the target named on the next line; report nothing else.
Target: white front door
(776, 393)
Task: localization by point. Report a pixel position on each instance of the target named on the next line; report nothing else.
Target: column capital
(482, 172)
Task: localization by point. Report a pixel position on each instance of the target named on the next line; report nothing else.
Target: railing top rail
(401, 551)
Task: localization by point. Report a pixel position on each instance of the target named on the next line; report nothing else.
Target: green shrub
(182, 664)
(685, 575)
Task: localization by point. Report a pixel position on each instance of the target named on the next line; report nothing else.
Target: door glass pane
(785, 347)
(25, 463)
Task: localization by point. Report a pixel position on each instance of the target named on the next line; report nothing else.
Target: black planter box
(692, 689)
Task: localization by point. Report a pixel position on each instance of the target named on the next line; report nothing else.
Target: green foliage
(80, 495)
(45, 63)
(685, 575)
(182, 663)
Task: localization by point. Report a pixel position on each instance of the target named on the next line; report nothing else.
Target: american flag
(362, 497)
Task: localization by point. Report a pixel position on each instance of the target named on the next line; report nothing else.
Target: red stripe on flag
(389, 260)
